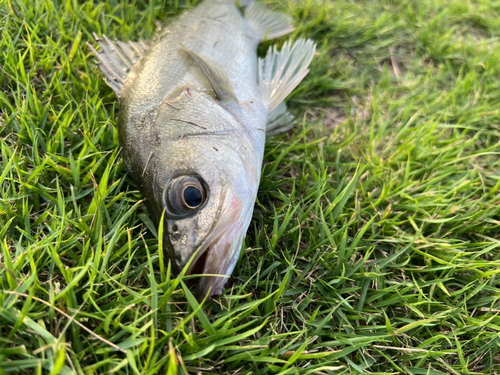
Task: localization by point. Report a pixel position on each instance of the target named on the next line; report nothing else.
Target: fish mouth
(219, 252)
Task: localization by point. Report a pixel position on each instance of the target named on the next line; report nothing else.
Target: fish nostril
(175, 235)
(175, 238)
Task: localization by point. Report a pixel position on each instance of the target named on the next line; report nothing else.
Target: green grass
(375, 244)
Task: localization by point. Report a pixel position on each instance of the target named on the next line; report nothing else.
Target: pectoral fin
(280, 72)
(218, 78)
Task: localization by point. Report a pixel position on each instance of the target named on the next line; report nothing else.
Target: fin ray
(279, 120)
(117, 59)
(218, 78)
(244, 3)
(280, 72)
(267, 24)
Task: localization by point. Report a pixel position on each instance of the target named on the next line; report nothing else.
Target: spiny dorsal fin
(117, 59)
(267, 24)
(280, 72)
(279, 120)
(218, 78)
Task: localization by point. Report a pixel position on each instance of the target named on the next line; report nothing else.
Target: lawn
(375, 243)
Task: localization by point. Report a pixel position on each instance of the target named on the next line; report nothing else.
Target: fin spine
(117, 59)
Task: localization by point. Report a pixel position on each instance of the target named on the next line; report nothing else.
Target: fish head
(208, 187)
(205, 226)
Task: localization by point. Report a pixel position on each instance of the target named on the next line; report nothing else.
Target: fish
(196, 104)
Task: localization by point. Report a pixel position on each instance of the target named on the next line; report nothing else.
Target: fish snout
(221, 258)
(216, 254)
(223, 250)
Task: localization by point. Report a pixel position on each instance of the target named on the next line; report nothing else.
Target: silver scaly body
(193, 107)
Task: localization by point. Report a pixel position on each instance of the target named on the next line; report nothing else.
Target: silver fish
(196, 104)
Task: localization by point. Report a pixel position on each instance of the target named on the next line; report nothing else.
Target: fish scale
(236, 55)
(195, 106)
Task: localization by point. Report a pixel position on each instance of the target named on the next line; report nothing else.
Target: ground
(374, 246)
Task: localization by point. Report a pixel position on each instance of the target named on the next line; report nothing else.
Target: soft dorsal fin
(117, 59)
(218, 78)
(280, 72)
(267, 24)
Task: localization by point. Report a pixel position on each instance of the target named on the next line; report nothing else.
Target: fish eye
(192, 196)
(185, 195)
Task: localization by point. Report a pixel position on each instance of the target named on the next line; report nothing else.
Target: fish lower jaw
(212, 266)
(220, 250)
(198, 266)
(217, 262)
